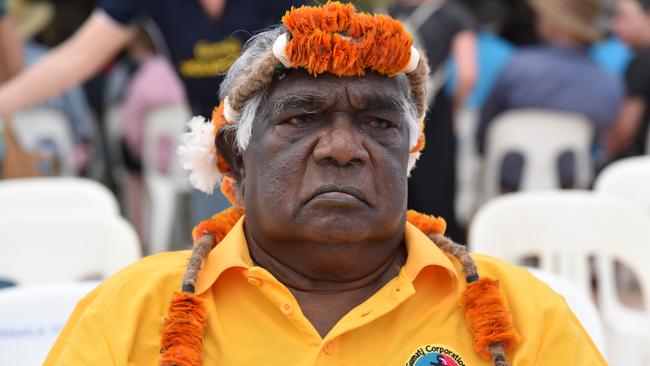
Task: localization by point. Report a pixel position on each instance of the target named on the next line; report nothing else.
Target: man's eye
(379, 123)
(298, 120)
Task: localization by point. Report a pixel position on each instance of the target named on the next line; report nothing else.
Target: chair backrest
(31, 317)
(63, 246)
(628, 179)
(56, 195)
(564, 229)
(580, 303)
(113, 134)
(164, 176)
(647, 142)
(33, 126)
(541, 136)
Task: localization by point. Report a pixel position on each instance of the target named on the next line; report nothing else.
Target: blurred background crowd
(102, 70)
(524, 95)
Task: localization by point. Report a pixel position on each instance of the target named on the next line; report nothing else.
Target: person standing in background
(558, 75)
(11, 57)
(35, 20)
(632, 26)
(444, 28)
(153, 84)
(14, 160)
(203, 37)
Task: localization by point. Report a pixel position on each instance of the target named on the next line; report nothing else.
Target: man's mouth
(336, 193)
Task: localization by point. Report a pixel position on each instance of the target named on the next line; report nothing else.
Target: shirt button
(327, 348)
(287, 308)
(254, 281)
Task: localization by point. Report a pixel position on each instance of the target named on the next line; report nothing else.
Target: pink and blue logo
(434, 355)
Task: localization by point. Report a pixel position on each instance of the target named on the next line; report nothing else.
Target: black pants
(432, 186)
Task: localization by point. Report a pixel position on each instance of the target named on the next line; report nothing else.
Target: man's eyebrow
(383, 104)
(309, 103)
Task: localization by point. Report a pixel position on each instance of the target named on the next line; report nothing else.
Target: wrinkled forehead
(300, 88)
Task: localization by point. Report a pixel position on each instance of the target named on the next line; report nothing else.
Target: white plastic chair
(628, 179)
(55, 195)
(34, 125)
(63, 246)
(164, 185)
(31, 317)
(564, 229)
(580, 303)
(541, 136)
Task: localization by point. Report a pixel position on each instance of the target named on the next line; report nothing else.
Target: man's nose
(341, 144)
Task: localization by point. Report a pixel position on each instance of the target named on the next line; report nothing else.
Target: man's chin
(342, 228)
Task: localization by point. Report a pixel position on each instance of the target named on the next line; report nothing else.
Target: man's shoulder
(526, 62)
(515, 281)
(546, 56)
(531, 53)
(548, 328)
(148, 279)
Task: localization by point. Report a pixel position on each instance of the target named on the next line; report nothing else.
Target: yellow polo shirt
(414, 320)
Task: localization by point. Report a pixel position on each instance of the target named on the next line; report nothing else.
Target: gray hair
(261, 44)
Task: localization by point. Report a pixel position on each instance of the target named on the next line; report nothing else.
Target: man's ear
(227, 148)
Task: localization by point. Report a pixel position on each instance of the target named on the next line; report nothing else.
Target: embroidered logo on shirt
(434, 355)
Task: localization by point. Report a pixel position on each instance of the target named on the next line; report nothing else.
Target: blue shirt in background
(557, 78)
(201, 49)
(493, 53)
(612, 54)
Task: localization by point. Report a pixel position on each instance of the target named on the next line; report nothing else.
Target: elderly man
(315, 135)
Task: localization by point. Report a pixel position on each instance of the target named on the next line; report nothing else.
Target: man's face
(327, 161)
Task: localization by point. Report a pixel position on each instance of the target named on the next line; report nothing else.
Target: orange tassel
(426, 223)
(488, 317)
(230, 191)
(218, 119)
(182, 335)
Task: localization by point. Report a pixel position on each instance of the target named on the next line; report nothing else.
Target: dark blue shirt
(557, 78)
(637, 83)
(201, 49)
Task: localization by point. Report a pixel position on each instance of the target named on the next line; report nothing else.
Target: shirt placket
(384, 301)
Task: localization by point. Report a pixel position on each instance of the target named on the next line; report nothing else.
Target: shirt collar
(422, 253)
(232, 252)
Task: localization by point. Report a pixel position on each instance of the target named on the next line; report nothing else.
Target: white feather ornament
(279, 51)
(198, 155)
(229, 112)
(413, 61)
